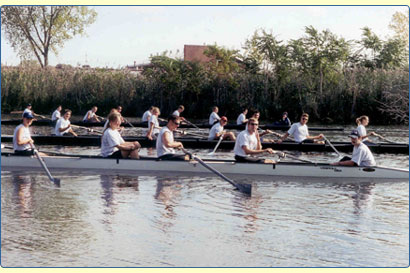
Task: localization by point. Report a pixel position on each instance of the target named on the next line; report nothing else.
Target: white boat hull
(192, 167)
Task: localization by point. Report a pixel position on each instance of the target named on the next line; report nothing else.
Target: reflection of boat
(288, 169)
(46, 122)
(199, 143)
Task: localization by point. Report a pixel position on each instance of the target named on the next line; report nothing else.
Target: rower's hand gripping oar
(43, 164)
(383, 138)
(217, 145)
(244, 188)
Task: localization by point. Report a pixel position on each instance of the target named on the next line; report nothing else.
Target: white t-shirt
(245, 139)
(176, 113)
(161, 149)
(216, 129)
(299, 131)
(27, 111)
(110, 139)
(92, 114)
(25, 136)
(213, 117)
(362, 156)
(240, 119)
(362, 131)
(56, 115)
(146, 116)
(154, 119)
(61, 123)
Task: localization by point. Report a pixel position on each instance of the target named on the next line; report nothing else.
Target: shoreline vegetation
(320, 74)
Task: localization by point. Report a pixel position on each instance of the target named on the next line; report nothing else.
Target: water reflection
(23, 193)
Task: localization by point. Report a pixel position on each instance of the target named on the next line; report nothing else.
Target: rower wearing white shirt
(217, 131)
(242, 117)
(214, 117)
(248, 144)
(166, 144)
(56, 115)
(362, 122)
(178, 112)
(91, 115)
(153, 124)
(63, 126)
(300, 132)
(22, 141)
(362, 156)
(113, 145)
(147, 114)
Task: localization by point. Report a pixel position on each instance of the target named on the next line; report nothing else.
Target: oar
(129, 123)
(190, 123)
(188, 133)
(383, 138)
(86, 128)
(244, 188)
(297, 158)
(331, 145)
(217, 145)
(43, 164)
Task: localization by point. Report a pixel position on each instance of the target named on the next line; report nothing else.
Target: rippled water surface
(163, 220)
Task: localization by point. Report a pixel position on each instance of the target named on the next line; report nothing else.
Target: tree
(400, 25)
(37, 30)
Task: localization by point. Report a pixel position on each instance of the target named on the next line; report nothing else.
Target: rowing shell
(227, 167)
(183, 125)
(197, 143)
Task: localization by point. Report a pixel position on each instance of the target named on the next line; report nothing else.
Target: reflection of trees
(360, 193)
(23, 187)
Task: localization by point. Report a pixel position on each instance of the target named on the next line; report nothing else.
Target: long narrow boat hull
(227, 167)
(197, 143)
(145, 125)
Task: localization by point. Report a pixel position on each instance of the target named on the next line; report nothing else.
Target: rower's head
(27, 119)
(355, 138)
(67, 114)
(256, 115)
(223, 120)
(151, 108)
(59, 108)
(173, 122)
(245, 111)
(155, 111)
(114, 120)
(253, 125)
(304, 118)
(181, 108)
(362, 120)
(284, 115)
(29, 106)
(94, 109)
(215, 109)
(119, 108)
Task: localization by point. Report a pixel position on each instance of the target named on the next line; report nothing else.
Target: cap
(28, 104)
(354, 134)
(28, 115)
(285, 113)
(224, 118)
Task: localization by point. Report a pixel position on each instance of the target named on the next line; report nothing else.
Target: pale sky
(122, 35)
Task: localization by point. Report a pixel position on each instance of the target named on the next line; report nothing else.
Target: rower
(362, 156)
(214, 117)
(22, 141)
(165, 142)
(119, 110)
(178, 112)
(56, 115)
(256, 115)
(217, 131)
(300, 132)
(29, 110)
(242, 117)
(91, 115)
(362, 122)
(248, 144)
(113, 145)
(147, 114)
(284, 121)
(63, 126)
(153, 124)
(114, 110)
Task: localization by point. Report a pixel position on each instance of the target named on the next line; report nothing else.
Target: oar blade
(244, 188)
(57, 181)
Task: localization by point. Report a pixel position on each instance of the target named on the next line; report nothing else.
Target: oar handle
(331, 145)
(43, 164)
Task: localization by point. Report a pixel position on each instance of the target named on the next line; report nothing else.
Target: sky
(124, 35)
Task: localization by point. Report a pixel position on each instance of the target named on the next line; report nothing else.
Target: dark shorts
(116, 154)
(308, 141)
(176, 157)
(28, 152)
(249, 159)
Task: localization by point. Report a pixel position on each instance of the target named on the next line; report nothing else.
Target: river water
(169, 220)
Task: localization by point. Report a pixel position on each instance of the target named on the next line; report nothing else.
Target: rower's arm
(151, 127)
(20, 140)
(257, 151)
(166, 139)
(345, 163)
(283, 137)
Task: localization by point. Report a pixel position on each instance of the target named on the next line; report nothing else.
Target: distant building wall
(195, 53)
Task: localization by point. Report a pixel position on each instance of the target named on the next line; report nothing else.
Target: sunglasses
(177, 123)
(254, 124)
(305, 119)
